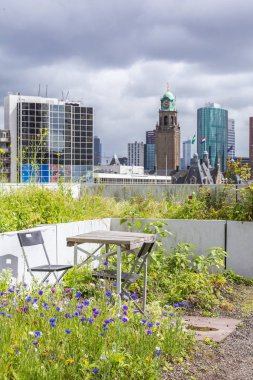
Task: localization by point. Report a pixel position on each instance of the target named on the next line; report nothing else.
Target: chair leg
(60, 277)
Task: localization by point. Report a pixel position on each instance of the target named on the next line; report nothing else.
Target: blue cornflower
(125, 307)
(134, 296)
(136, 311)
(52, 324)
(53, 357)
(150, 324)
(78, 295)
(79, 306)
(37, 334)
(57, 308)
(107, 321)
(9, 315)
(114, 284)
(67, 315)
(67, 331)
(125, 319)
(108, 294)
(149, 332)
(76, 313)
(35, 300)
(82, 319)
(176, 305)
(51, 298)
(40, 292)
(157, 324)
(35, 343)
(3, 313)
(17, 352)
(171, 315)
(105, 263)
(95, 370)
(52, 320)
(24, 284)
(86, 303)
(10, 290)
(90, 320)
(143, 321)
(46, 306)
(42, 314)
(28, 299)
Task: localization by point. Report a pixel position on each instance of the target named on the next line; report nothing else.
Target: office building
(251, 143)
(51, 139)
(186, 154)
(231, 139)
(212, 134)
(135, 154)
(167, 136)
(150, 151)
(97, 151)
(5, 158)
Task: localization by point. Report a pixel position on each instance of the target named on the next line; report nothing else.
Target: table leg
(118, 270)
(145, 269)
(75, 254)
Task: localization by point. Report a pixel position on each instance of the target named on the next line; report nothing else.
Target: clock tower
(167, 136)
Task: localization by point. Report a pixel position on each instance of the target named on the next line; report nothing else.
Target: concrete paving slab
(216, 329)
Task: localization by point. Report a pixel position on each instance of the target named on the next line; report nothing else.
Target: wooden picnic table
(126, 241)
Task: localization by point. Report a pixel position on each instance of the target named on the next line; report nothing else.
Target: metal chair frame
(33, 238)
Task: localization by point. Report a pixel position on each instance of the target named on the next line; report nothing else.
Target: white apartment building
(135, 154)
(231, 138)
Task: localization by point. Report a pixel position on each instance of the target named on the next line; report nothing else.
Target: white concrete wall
(202, 233)
(75, 188)
(240, 247)
(55, 241)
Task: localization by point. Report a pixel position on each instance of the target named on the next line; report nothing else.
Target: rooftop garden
(79, 329)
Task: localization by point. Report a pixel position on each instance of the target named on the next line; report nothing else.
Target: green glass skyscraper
(212, 132)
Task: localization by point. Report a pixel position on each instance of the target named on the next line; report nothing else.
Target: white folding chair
(34, 238)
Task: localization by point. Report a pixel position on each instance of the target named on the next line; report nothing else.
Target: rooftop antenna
(67, 95)
(46, 90)
(39, 90)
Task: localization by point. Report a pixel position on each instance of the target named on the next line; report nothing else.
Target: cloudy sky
(118, 56)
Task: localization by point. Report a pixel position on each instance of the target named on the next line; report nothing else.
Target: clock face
(166, 103)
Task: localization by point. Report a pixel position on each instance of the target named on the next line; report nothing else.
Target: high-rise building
(251, 142)
(231, 138)
(51, 139)
(5, 157)
(167, 136)
(186, 154)
(150, 151)
(151, 137)
(212, 133)
(135, 154)
(97, 151)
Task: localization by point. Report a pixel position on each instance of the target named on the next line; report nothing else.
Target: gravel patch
(231, 359)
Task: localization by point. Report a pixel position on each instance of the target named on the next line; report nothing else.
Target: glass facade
(149, 157)
(55, 141)
(212, 132)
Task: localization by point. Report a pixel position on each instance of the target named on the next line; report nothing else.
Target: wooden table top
(130, 240)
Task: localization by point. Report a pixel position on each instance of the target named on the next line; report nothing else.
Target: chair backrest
(145, 249)
(30, 238)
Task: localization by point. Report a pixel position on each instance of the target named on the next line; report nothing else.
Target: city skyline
(129, 51)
